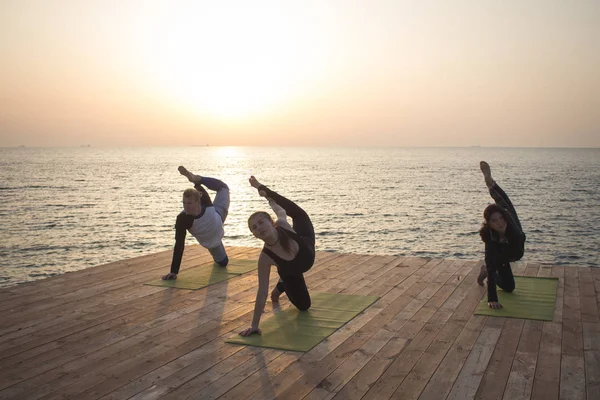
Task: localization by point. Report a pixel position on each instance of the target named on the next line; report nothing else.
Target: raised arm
(291, 208)
(499, 196)
(281, 215)
(492, 264)
(264, 272)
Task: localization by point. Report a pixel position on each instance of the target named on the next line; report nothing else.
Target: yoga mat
(198, 278)
(194, 279)
(302, 330)
(533, 298)
(237, 266)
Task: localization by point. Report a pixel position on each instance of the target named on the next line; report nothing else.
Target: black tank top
(303, 261)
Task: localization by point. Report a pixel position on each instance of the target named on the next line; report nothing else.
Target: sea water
(65, 209)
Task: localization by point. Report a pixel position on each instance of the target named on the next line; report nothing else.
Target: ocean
(65, 209)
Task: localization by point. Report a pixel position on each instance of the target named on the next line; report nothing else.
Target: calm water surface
(71, 208)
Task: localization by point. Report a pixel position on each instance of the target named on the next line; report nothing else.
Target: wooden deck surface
(101, 334)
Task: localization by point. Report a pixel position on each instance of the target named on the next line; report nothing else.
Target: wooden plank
(545, 271)
(142, 336)
(572, 376)
(441, 344)
(361, 382)
(520, 381)
(497, 373)
(151, 378)
(590, 301)
(445, 375)
(518, 267)
(191, 385)
(303, 376)
(559, 272)
(212, 388)
(592, 374)
(79, 299)
(333, 383)
(391, 380)
(65, 286)
(587, 296)
(147, 361)
(531, 269)
(416, 380)
(85, 372)
(77, 336)
(100, 333)
(467, 382)
(547, 372)
(260, 378)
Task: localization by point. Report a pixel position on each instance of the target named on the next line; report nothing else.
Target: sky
(300, 73)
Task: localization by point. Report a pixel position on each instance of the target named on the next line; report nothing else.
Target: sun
(233, 87)
(230, 64)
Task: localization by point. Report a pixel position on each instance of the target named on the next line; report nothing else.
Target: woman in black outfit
(290, 248)
(504, 240)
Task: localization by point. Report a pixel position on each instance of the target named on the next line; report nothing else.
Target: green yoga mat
(206, 275)
(302, 330)
(237, 266)
(533, 298)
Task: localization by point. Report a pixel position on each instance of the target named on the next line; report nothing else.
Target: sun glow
(230, 63)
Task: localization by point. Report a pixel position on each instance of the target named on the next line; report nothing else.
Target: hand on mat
(495, 305)
(170, 276)
(250, 331)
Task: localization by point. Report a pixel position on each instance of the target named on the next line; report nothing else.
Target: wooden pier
(100, 333)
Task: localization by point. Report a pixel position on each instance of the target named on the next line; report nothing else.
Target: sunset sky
(322, 73)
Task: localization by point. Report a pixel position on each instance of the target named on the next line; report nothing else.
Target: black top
(182, 224)
(499, 253)
(303, 261)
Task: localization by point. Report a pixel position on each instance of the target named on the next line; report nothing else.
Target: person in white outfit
(202, 218)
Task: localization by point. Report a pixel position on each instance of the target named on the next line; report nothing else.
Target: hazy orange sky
(347, 72)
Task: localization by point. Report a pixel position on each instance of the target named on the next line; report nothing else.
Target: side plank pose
(202, 218)
(504, 240)
(290, 248)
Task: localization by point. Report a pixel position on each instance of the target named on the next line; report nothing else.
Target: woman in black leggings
(290, 248)
(504, 240)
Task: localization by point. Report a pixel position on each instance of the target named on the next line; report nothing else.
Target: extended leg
(301, 221)
(221, 202)
(499, 196)
(219, 255)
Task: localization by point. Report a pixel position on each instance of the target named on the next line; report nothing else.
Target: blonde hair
(193, 193)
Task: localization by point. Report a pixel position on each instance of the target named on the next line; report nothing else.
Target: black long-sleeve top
(500, 252)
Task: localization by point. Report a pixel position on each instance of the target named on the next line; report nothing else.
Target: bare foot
(191, 177)
(275, 296)
(487, 173)
(254, 182)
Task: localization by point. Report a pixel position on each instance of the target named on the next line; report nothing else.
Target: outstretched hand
(170, 276)
(256, 184)
(250, 331)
